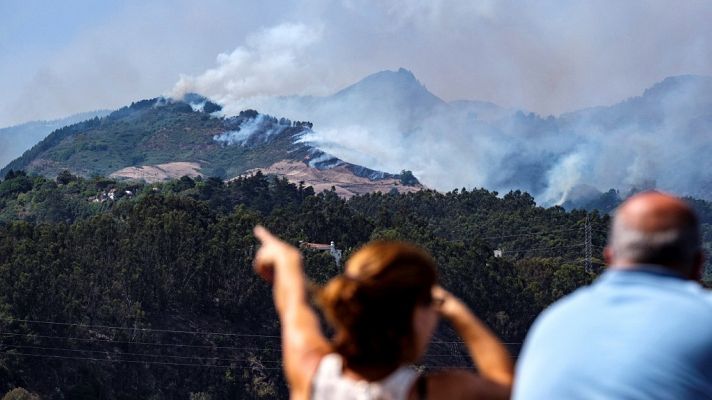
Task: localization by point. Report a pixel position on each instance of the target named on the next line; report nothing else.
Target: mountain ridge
(389, 121)
(473, 143)
(16, 139)
(158, 139)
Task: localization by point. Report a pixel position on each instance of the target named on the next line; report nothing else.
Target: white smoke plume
(272, 62)
(261, 127)
(394, 124)
(390, 122)
(658, 139)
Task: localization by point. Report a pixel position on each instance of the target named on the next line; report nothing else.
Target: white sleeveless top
(329, 383)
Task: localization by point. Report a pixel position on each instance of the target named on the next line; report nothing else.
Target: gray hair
(677, 245)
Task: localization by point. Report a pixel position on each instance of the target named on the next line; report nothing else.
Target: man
(643, 330)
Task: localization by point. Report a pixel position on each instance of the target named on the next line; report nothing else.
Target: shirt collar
(642, 270)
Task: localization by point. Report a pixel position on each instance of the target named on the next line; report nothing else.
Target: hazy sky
(58, 58)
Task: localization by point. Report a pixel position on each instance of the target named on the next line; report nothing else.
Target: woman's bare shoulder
(460, 384)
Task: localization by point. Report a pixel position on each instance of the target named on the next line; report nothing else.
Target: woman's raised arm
(303, 343)
(494, 363)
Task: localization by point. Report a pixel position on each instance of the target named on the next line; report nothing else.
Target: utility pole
(587, 245)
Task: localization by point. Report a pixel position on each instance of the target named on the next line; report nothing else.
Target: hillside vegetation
(158, 131)
(160, 139)
(15, 140)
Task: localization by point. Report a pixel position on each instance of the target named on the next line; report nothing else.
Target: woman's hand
(273, 253)
(488, 352)
(447, 304)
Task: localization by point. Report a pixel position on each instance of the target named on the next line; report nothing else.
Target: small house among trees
(331, 248)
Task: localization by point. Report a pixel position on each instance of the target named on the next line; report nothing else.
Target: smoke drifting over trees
(545, 57)
(389, 121)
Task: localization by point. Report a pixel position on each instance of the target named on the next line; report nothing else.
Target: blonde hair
(371, 305)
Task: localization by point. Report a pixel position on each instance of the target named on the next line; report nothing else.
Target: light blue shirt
(633, 334)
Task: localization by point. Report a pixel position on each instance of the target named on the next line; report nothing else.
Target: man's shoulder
(685, 299)
(568, 308)
(579, 298)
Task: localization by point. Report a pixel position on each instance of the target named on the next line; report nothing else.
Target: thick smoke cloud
(549, 57)
(61, 58)
(272, 62)
(261, 126)
(545, 56)
(390, 122)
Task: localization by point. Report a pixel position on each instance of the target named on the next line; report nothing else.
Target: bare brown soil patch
(160, 172)
(344, 181)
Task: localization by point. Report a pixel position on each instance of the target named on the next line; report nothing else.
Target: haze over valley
(389, 121)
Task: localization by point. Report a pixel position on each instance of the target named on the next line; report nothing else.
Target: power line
(14, 354)
(549, 248)
(110, 353)
(32, 335)
(135, 354)
(158, 344)
(541, 248)
(131, 361)
(137, 329)
(532, 233)
(9, 352)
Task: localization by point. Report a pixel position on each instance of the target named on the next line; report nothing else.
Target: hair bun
(338, 298)
(371, 306)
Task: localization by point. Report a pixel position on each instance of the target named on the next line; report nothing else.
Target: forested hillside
(159, 139)
(133, 291)
(15, 140)
(159, 131)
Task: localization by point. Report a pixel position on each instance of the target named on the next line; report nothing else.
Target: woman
(384, 309)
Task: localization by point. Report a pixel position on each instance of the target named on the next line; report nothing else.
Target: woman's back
(329, 382)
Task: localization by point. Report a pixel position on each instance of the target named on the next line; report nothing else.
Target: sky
(549, 57)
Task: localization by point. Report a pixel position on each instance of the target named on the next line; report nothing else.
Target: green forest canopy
(127, 290)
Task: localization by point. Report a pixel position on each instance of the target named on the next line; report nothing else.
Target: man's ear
(698, 266)
(608, 255)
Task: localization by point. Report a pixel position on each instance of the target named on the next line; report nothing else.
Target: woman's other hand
(447, 304)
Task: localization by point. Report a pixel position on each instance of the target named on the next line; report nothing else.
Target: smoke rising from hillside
(261, 126)
(547, 56)
(272, 62)
(659, 138)
(554, 57)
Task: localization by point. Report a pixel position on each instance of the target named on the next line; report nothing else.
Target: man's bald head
(655, 228)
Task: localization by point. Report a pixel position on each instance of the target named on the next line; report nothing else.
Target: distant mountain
(389, 120)
(160, 139)
(388, 92)
(15, 140)
(685, 95)
(661, 139)
(481, 110)
(388, 98)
